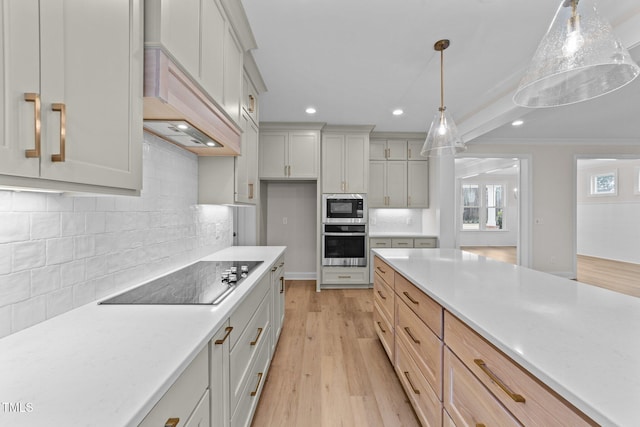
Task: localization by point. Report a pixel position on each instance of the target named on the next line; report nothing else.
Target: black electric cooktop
(205, 282)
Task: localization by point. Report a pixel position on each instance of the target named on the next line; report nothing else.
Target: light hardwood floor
(329, 368)
(617, 276)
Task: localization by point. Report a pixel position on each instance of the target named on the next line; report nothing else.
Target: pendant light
(443, 138)
(579, 58)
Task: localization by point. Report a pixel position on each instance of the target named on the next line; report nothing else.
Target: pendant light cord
(442, 107)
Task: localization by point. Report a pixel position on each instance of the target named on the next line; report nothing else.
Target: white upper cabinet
(212, 51)
(414, 146)
(345, 159)
(381, 149)
(387, 184)
(418, 184)
(289, 153)
(72, 105)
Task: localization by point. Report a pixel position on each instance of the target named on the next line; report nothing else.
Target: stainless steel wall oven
(344, 245)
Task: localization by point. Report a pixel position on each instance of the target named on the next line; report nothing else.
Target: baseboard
(346, 286)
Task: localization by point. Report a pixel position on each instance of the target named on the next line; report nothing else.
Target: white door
(91, 58)
(20, 68)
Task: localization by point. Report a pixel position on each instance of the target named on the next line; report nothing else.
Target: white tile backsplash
(58, 252)
(395, 221)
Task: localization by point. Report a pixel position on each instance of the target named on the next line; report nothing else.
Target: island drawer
(429, 311)
(384, 270)
(422, 344)
(466, 399)
(384, 330)
(384, 296)
(527, 398)
(423, 399)
(243, 354)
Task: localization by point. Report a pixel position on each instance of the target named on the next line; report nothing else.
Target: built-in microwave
(344, 209)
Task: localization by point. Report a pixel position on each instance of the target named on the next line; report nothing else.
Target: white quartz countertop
(108, 365)
(580, 340)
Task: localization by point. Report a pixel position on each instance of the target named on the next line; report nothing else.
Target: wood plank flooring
(617, 276)
(329, 368)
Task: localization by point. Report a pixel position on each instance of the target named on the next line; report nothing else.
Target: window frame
(483, 206)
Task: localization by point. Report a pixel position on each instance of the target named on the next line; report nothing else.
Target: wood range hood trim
(169, 94)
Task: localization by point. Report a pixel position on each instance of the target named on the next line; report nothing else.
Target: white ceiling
(356, 61)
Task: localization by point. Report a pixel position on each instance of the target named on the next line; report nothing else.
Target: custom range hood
(178, 111)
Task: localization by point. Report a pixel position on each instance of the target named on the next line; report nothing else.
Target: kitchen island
(580, 341)
(109, 365)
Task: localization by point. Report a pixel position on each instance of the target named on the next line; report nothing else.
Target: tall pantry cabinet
(71, 106)
(345, 159)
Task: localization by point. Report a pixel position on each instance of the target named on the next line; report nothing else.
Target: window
(483, 207)
(604, 184)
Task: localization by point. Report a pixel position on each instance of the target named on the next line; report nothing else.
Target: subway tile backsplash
(58, 252)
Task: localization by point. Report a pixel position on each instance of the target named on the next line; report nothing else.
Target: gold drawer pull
(381, 328)
(172, 422)
(480, 425)
(281, 264)
(252, 103)
(402, 243)
(63, 132)
(406, 294)
(254, 392)
(381, 270)
(344, 277)
(516, 397)
(250, 191)
(415, 390)
(35, 98)
(274, 268)
(408, 331)
(281, 285)
(227, 331)
(254, 342)
(381, 295)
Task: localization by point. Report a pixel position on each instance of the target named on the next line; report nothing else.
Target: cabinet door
(219, 377)
(377, 177)
(20, 68)
(333, 162)
(356, 163)
(396, 184)
(377, 149)
(213, 29)
(418, 184)
(413, 150)
(247, 163)
(233, 58)
(304, 155)
(180, 29)
(273, 153)
(91, 64)
(396, 149)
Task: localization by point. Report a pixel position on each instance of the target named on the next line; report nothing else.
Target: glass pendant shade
(579, 58)
(443, 138)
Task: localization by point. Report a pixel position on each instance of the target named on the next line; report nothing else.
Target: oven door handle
(344, 234)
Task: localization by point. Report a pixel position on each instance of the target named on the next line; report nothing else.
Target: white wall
(295, 204)
(553, 200)
(609, 226)
(59, 252)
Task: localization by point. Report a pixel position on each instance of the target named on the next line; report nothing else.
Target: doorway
(492, 208)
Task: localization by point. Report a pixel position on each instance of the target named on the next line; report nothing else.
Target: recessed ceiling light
(183, 126)
(398, 112)
(211, 144)
(517, 123)
(310, 110)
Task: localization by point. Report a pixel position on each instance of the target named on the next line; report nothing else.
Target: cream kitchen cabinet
(187, 395)
(278, 302)
(65, 128)
(345, 159)
(392, 149)
(219, 376)
(387, 184)
(246, 165)
(289, 153)
(418, 184)
(207, 38)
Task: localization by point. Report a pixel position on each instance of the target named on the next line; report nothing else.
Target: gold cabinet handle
(289, 170)
(402, 243)
(254, 342)
(63, 132)
(381, 270)
(344, 277)
(255, 391)
(409, 152)
(381, 295)
(281, 284)
(516, 397)
(251, 191)
(281, 264)
(406, 294)
(274, 268)
(172, 422)
(480, 425)
(415, 390)
(35, 98)
(381, 328)
(227, 331)
(252, 103)
(408, 331)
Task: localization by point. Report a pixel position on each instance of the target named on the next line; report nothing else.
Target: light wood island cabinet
(453, 376)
